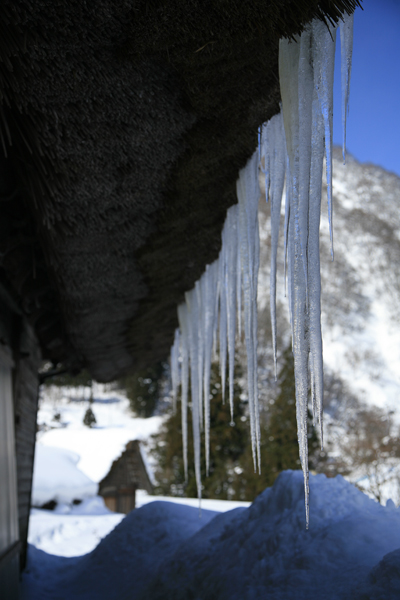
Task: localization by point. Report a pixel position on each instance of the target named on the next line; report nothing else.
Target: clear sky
(373, 126)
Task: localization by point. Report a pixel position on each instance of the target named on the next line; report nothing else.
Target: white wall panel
(8, 480)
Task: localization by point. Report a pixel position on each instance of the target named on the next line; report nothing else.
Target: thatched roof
(124, 125)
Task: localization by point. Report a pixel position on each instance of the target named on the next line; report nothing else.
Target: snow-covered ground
(165, 550)
(76, 530)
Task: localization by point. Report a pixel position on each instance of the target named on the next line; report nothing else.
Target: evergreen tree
(232, 473)
(143, 389)
(227, 444)
(89, 419)
(279, 445)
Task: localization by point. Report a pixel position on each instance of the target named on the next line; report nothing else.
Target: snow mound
(385, 578)
(57, 477)
(165, 551)
(123, 563)
(266, 550)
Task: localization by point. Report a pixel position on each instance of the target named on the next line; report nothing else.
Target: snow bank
(165, 551)
(57, 477)
(71, 534)
(72, 530)
(123, 563)
(265, 551)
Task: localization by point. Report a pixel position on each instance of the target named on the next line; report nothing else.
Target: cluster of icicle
(292, 146)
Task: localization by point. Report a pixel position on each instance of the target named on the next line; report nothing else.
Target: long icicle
(346, 52)
(306, 79)
(324, 40)
(222, 319)
(200, 355)
(248, 194)
(209, 293)
(274, 151)
(175, 375)
(230, 241)
(183, 324)
(193, 322)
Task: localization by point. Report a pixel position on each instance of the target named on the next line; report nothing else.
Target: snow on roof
(57, 477)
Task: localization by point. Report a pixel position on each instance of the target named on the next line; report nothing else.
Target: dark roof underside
(128, 123)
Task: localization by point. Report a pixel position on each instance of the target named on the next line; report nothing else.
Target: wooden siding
(26, 386)
(9, 573)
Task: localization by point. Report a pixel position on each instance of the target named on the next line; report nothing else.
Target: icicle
(346, 51)
(324, 40)
(287, 214)
(229, 241)
(184, 328)
(314, 276)
(304, 133)
(193, 327)
(296, 88)
(256, 268)
(274, 151)
(200, 354)
(222, 320)
(175, 379)
(239, 285)
(248, 193)
(306, 78)
(209, 296)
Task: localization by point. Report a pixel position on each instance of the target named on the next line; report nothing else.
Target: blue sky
(373, 127)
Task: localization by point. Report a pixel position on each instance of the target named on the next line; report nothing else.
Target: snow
(71, 531)
(164, 550)
(74, 530)
(363, 341)
(56, 477)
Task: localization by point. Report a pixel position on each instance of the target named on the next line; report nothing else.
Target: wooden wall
(26, 387)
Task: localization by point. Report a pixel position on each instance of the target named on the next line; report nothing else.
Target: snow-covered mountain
(360, 288)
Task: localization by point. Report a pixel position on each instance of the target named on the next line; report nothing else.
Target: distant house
(127, 474)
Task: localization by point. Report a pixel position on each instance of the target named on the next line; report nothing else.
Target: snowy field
(96, 447)
(165, 550)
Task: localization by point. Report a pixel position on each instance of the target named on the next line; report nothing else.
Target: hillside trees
(143, 389)
(227, 445)
(232, 473)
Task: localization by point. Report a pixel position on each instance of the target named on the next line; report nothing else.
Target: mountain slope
(360, 288)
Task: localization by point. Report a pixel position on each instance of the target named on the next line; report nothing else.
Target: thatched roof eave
(125, 125)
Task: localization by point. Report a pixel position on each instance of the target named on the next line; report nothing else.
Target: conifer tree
(143, 389)
(227, 444)
(89, 419)
(232, 473)
(279, 445)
